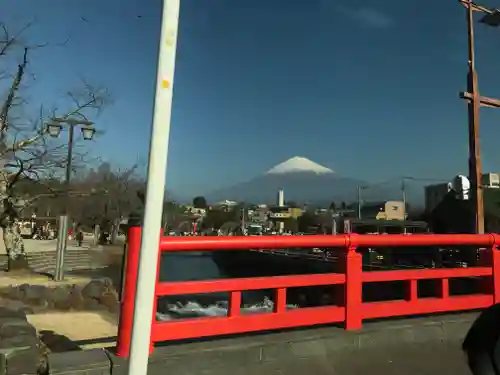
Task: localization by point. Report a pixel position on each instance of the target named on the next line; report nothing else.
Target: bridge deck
(419, 346)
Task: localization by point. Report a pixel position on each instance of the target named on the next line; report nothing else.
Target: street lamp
(54, 129)
(88, 133)
(475, 101)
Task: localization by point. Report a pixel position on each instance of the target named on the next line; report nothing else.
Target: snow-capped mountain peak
(298, 164)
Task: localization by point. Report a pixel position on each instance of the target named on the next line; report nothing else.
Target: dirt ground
(62, 331)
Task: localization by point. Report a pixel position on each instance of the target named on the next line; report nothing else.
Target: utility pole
(359, 201)
(243, 223)
(475, 101)
(403, 191)
(155, 191)
(475, 168)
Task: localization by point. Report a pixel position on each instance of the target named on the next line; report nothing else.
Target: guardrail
(352, 310)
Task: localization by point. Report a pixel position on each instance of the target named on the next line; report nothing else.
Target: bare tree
(115, 196)
(26, 150)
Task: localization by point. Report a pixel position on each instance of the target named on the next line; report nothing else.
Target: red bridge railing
(352, 310)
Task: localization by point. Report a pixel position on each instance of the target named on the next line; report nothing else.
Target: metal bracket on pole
(484, 101)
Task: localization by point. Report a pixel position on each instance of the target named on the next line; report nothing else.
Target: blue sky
(369, 89)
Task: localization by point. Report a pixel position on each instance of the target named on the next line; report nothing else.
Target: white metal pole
(157, 166)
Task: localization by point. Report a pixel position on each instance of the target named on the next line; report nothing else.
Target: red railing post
(495, 265)
(353, 286)
(155, 303)
(129, 281)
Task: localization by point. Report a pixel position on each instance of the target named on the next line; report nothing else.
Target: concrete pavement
(423, 346)
(416, 359)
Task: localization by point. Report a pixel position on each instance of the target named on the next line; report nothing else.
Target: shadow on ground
(57, 343)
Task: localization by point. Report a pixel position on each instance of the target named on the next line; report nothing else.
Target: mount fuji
(303, 181)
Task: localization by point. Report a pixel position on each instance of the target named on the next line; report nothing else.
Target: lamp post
(54, 129)
(475, 101)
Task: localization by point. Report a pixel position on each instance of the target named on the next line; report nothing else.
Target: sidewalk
(31, 246)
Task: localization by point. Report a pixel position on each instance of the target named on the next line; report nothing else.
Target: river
(200, 266)
(178, 267)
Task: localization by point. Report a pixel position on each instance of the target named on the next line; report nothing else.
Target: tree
(26, 150)
(306, 221)
(217, 218)
(343, 206)
(114, 197)
(200, 202)
(333, 206)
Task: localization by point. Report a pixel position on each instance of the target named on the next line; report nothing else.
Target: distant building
(285, 212)
(491, 180)
(258, 216)
(435, 194)
(225, 205)
(195, 211)
(454, 215)
(388, 210)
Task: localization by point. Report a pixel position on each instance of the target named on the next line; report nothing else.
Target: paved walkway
(31, 246)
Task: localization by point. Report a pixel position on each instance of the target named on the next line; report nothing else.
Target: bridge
(423, 331)
(350, 334)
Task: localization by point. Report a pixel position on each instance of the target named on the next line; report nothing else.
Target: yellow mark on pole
(165, 83)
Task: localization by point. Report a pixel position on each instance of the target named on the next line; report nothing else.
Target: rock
(107, 282)
(75, 299)
(19, 341)
(21, 360)
(35, 292)
(18, 292)
(110, 301)
(37, 295)
(5, 313)
(15, 327)
(95, 289)
(60, 297)
(91, 304)
(26, 311)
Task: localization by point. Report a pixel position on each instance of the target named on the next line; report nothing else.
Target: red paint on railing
(210, 243)
(129, 281)
(351, 310)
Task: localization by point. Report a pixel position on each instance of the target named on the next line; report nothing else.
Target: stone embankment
(96, 295)
(20, 348)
